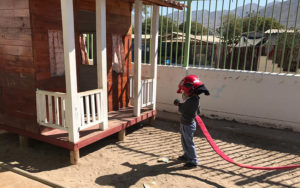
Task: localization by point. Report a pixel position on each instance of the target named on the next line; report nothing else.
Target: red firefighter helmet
(188, 84)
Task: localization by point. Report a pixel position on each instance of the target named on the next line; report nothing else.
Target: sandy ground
(110, 163)
(12, 180)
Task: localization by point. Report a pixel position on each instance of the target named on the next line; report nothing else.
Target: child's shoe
(190, 165)
(182, 158)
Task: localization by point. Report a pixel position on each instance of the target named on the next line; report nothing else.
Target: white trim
(137, 57)
(102, 58)
(154, 51)
(72, 108)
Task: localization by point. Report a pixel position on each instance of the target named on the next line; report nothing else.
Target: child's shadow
(139, 171)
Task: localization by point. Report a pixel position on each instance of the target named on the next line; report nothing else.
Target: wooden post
(137, 57)
(102, 58)
(74, 156)
(122, 135)
(72, 99)
(154, 51)
(151, 120)
(23, 140)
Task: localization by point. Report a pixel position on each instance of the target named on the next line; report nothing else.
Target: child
(190, 88)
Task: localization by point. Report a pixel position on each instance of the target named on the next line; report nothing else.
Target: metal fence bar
(270, 34)
(239, 53)
(172, 33)
(212, 59)
(145, 35)
(293, 40)
(176, 55)
(227, 33)
(220, 41)
(276, 47)
(246, 51)
(183, 37)
(151, 12)
(200, 60)
(206, 51)
(166, 40)
(261, 43)
(196, 33)
(285, 36)
(161, 34)
(255, 30)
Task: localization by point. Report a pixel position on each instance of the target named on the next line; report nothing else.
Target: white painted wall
(265, 99)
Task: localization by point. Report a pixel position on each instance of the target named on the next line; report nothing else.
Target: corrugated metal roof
(280, 31)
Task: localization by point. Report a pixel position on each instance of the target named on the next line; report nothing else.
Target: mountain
(215, 17)
(284, 13)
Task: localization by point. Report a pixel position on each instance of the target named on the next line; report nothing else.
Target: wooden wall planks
(14, 4)
(17, 70)
(45, 16)
(118, 22)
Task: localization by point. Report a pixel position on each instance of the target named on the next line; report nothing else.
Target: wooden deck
(118, 120)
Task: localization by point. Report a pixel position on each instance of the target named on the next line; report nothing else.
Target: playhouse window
(56, 53)
(87, 48)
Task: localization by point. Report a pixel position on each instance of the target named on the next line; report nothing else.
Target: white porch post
(72, 107)
(102, 58)
(154, 50)
(137, 57)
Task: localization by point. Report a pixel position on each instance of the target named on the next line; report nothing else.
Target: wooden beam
(166, 3)
(137, 57)
(74, 156)
(151, 120)
(122, 135)
(72, 106)
(102, 58)
(23, 140)
(154, 51)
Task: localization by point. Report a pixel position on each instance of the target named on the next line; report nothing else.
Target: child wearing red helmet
(190, 87)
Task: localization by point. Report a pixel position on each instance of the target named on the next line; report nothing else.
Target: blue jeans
(187, 135)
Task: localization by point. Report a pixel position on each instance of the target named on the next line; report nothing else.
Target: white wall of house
(270, 100)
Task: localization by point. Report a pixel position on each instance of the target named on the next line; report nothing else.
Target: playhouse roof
(166, 3)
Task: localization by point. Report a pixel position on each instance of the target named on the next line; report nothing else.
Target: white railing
(90, 108)
(147, 91)
(51, 109)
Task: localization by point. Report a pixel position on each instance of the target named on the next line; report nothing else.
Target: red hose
(225, 157)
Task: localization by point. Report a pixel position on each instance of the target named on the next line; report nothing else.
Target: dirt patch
(109, 163)
(13, 180)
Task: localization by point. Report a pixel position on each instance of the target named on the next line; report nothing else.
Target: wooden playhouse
(64, 69)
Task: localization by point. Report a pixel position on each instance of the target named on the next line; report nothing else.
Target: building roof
(166, 3)
(204, 38)
(273, 31)
(181, 37)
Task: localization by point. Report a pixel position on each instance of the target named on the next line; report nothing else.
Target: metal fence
(253, 35)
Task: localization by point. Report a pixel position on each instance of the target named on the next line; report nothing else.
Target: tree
(287, 51)
(231, 29)
(196, 28)
(162, 23)
(270, 23)
(257, 24)
(238, 26)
